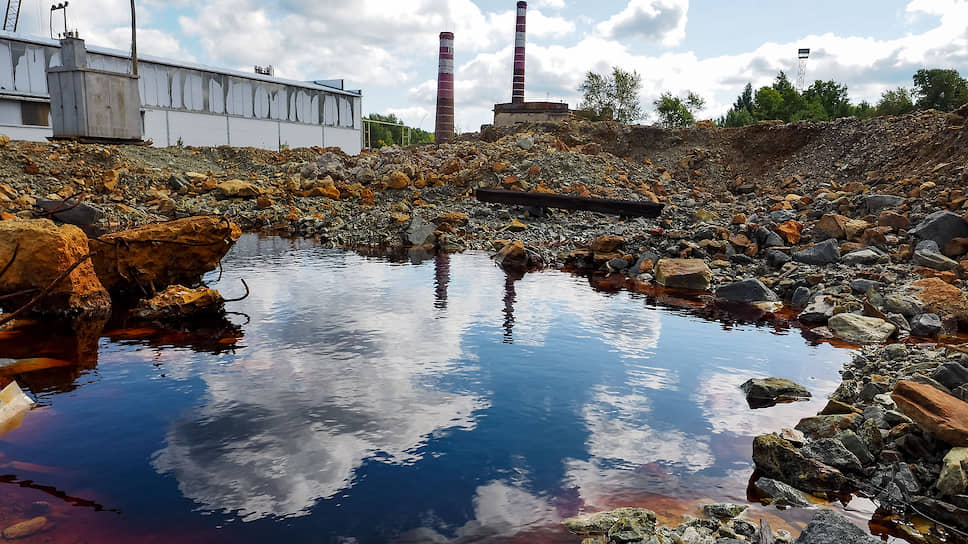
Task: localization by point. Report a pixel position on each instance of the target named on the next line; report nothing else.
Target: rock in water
(942, 227)
(825, 252)
(25, 528)
(163, 254)
(723, 510)
(763, 392)
(860, 329)
(937, 412)
(516, 259)
(749, 290)
(781, 494)
(829, 527)
(178, 301)
(683, 274)
(603, 522)
(43, 252)
(778, 459)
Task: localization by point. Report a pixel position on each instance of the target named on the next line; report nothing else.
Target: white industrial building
(183, 103)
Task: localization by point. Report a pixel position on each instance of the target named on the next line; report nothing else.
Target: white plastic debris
(13, 405)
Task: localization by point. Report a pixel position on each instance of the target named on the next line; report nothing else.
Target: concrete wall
(508, 119)
(197, 104)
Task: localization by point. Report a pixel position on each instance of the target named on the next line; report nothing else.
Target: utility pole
(134, 42)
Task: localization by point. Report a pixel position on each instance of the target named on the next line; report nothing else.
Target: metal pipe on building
(517, 89)
(444, 128)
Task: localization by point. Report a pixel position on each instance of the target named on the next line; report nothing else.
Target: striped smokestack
(444, 129)
(517, 89)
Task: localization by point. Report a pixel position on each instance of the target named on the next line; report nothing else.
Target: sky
(388, 48)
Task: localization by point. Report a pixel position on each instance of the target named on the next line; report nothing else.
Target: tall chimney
(517, 89)
(444, 129)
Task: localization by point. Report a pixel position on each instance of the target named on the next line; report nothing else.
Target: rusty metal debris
(614, 206)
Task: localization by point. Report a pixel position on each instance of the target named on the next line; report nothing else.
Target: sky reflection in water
(437, 401)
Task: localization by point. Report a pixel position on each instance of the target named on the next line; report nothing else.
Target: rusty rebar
(243, 297)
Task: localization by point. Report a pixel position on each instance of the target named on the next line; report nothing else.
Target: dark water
(362, 400)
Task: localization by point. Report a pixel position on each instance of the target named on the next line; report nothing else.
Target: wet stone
(831, 451)
(926, 325)
(748, 290)
(763, 392)
(781, 494)
(825, 252)
(829, 527)
(723, 510)
(819, 311)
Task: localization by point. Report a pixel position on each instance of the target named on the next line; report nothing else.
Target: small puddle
(362, 399)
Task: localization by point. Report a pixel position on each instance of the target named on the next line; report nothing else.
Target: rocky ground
(859, 226)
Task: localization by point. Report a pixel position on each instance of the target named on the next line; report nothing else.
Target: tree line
(616, 96)
(382, 135)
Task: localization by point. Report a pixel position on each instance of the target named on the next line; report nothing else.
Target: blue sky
(388, 47)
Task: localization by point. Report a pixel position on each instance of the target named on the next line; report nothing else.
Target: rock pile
(896, 430)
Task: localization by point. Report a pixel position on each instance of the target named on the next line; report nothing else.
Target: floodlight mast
(802, 54)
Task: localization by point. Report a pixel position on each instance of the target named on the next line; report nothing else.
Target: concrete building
(187, 103)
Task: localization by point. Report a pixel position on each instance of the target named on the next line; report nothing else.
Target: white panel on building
(176, 88)
(345, 112)
(314, 110)
(303, 107)
(261, 103)
(37, 69)
(216, 97)
(279, 109)
(193, 91)
(346, 139)
(6, 67)
(292, 105)
(163, 84)
(198, 129)
(156, 128)
(357, 113)
(10, 112)
(330, 110)
(55, 59)
(295, 135)
(253, 133)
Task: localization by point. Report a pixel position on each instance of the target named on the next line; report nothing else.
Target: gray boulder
(831, 451)
(941, 226)
(781, 216)
(861, 285)
(81, 215)
(818, 311)
(951, 375)
(723, 510)
(860, 329)
(866, 256)
(926, 325)
(749, 290)
(781, 494)
(801, 297)
(933, 259)
(825, 252)
(418, 232)
(769, 390)
(776, 258)
(829, 527)
(876, 203)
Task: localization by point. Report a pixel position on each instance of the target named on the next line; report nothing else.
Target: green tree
(382, 135)
(768, 105)
(831, 96)
(677, 112)
(745, 100)
(864, 110)
(736, 118)
(612, 96)
(792, 101)
(811, 111)
(895, 102)
(939, 89)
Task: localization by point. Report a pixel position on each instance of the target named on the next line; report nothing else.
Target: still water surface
(364, 400)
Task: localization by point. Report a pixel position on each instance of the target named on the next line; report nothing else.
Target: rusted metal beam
(614, 206)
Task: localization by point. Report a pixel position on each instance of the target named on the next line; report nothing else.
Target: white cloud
(662, 21)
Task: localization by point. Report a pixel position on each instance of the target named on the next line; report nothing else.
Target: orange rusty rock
(162, 254)
(366, 197)
(43, 252)
(942, 415)
(263, 202)
(848, 247)
(179, 301)
(956, 248)
(739, 219)
(509, 180)
(606, 243)
(683, 273)
(498, 167)
(739, 241)
(947, 276)
(397, 180)
(534, 171)
(939, 297)
(453, 218)
(893, 220)
(790, 231)
(833, 225)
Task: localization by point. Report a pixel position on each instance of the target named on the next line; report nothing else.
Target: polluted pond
(413, 397)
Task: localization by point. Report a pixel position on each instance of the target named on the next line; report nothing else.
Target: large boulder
(943, 299)
(603, 523)
(939, 413)
(932, 258)
(859, 329)
(749, 290)
(781, 494)
(953, 479)
(825, 252)
(38, 251)
(683, 273)
(162, 254)
(178, 301)
(829, 527)
(942, 227)
(762, 392)
(778, 459)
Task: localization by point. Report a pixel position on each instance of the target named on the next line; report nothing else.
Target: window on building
(35, 113)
